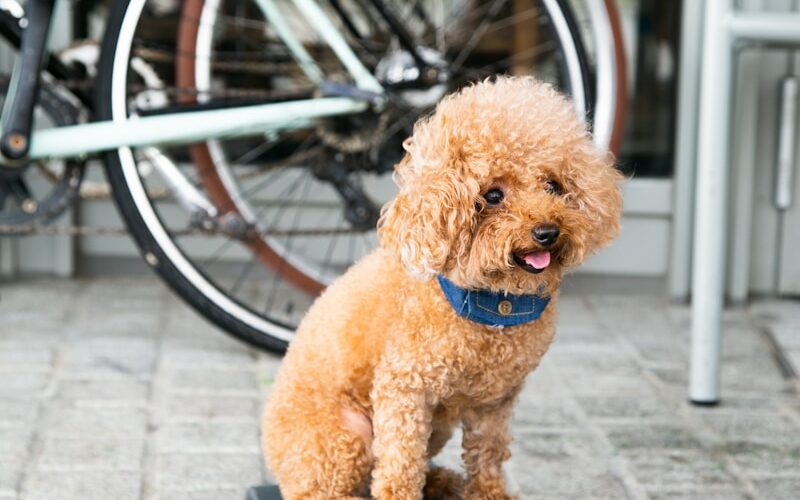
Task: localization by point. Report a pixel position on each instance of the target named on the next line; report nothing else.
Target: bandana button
(504, 307)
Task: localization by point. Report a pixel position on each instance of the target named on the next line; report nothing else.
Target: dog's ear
(597, 185)
(432, 219)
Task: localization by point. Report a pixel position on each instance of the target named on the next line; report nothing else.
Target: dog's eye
(553, 187)
(493, 196)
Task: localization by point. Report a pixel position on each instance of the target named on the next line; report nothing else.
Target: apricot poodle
(500, 191)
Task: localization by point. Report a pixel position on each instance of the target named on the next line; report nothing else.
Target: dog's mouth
(534, 261)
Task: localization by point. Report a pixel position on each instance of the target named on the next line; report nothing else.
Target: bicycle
(249, 145)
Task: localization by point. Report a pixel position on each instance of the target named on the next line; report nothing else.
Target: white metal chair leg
(710, 221)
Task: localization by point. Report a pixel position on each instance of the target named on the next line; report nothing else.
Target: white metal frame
(724, 30)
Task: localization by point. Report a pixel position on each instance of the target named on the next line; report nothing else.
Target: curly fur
(382, 368)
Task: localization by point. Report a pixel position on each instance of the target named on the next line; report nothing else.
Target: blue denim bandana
(495, 309)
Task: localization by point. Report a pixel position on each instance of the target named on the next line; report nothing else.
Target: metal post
(710, 200)
(680, 267)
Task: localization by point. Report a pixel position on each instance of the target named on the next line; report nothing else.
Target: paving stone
(110, 357)
(268, 365)
(660, 349)
(83, 485)
(580, 359)
(793, 356)
(114, 356)
(755, 428)
(10, 477)
(583, 333)
(212, 494)
(207, 471)
(113, 346)
(538, 416)
(624, 407)
(785, 333)
(189, 357)
(17, 410)
(559, 478)
(778, 488)
(120, 324)
(764, 460)
(543, 386)
(782, 319)
(103, 391)
(663, 470)
(593, 384)
(91, 453)
(11, 357)
(22, 338)
(110, 367)
(23, 382)
(210, 407)
(649, 436)
(699, 494)
(32, 292)
(556, 445)
(15, 442)
(218, 381)
(95, 421)
(210, 437)
(28, 321)
(186, 325)
(754, 373)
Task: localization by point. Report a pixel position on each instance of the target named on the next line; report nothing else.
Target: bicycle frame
(193, 125)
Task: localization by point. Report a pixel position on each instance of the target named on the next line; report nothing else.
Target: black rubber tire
(134, 221)
(583, 59)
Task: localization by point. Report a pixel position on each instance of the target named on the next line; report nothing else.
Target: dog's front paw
(479, 495)
(487, 490)
(394, 492)
(442, 483)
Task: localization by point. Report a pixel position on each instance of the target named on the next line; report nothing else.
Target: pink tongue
(537, 260)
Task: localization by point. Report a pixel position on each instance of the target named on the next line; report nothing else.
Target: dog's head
(501, 188)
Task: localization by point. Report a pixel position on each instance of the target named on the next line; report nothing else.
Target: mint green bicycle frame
(193, 126)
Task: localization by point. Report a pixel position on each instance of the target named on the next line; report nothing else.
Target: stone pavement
(112, 389)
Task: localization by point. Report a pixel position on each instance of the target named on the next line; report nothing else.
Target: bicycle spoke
(531, 16)
(277, 272)
(252, 153)
(476, 36)
(248, 266)
(489, 69)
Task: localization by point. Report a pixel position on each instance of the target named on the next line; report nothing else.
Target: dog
(501, 190)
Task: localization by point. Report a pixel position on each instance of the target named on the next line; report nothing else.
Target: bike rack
(725, 31)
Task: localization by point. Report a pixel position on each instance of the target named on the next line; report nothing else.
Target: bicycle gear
(39, 191)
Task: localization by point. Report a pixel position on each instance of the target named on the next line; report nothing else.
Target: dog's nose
(545, 234)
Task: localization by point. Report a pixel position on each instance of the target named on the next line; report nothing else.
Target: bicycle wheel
(249, 230)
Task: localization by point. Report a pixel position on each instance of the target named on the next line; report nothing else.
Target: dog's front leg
(485, 443)
(402, 425)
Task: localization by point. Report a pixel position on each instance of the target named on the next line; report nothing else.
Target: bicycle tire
(154, 242)
(150, 248)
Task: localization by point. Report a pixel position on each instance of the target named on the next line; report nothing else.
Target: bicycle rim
(155, 224)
